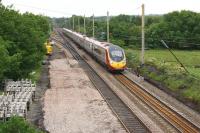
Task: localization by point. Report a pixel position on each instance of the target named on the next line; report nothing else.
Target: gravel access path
(73, 105)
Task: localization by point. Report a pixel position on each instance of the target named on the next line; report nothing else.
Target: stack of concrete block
(2, 113)
(17, 98)
(17, 108)
(5, 101)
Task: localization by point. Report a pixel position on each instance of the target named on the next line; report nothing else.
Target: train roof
(92, 40)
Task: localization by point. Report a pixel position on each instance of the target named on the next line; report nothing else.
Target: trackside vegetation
(21, 50)
(163, 69)
(21, 42)
(17, 125)
(181, 32)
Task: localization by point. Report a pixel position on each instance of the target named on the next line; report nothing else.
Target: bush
(17, 125)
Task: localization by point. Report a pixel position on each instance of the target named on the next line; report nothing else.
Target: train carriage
(108, 54)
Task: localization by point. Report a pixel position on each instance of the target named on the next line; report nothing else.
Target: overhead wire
(169, 40)
(49, 10)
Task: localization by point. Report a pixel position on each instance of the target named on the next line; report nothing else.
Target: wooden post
(78, 24)
(93, 26)
(73, 22)
(84, 26)
(143, 37)
(108, 27)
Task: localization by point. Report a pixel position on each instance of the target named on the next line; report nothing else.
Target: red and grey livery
(108, 54)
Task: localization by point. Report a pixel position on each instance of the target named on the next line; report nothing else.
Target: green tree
(21, 42)
(179, 29)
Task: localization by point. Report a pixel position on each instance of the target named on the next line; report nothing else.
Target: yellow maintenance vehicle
(49, 48)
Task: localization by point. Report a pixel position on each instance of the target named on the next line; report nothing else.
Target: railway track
(175, 119)
(171, 116)
(122, 111)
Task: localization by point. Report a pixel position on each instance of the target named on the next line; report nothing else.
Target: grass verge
(35, 75)
(161, 67)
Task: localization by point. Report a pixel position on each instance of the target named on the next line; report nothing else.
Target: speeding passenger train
(108, 54)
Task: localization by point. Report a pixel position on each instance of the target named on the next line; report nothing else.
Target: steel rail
(129, 120)
(181, 124)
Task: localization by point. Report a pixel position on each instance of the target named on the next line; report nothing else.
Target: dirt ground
(73, 105)
(35, 114)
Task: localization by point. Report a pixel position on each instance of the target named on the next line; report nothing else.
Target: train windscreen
(116, 53)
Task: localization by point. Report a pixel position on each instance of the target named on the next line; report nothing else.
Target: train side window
(97, 50)
(90, 45)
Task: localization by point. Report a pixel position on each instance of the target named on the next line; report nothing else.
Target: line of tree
(21, 42)
(181, 30)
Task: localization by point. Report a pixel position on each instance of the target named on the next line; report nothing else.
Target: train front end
(117, 58)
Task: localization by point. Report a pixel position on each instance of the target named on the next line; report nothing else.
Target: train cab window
(116, 53)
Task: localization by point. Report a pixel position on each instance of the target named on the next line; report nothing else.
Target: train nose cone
(118, 65)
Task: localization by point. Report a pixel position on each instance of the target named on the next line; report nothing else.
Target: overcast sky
(60, 8)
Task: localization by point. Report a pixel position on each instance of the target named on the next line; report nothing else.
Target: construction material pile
(16, 100)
